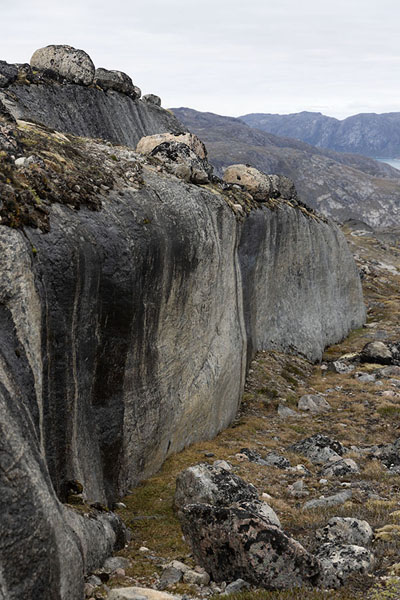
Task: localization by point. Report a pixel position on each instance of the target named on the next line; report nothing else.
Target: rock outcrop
(130, 305)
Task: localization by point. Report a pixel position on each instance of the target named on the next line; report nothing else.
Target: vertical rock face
(125, 333)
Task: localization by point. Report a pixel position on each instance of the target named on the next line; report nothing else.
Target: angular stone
(152, 99)
(178, 159)
(335, 500)
(67, 62)
(232, 543)
(338, 366)
(113, 563)
(115, 80)
(376, 352)
(235, 587)
(258, 184)
(205, 484)
(8, 73)
(169, 576)
(196, 578)
(147, 144)
(339, 562)
(318, 448)
(314, 403)
(341, 468)
(345, 530)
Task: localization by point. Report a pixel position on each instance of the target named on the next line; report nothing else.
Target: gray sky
(228, 56)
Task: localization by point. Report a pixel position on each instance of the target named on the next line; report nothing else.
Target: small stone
(376, 352)
(365, 377)
(341, 468)
(335, 500)
(236, 586)
(209, 454)
(143, 549)
(94, 581)
(323, 481)
(113, 563)
(285, 411)
(273, 459)
(338, 366)
(314, 403)
(222, 464)
(152, 99)
(196, 578)
(319, 449)
(170, 576)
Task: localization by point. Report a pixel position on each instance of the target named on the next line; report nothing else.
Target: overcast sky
(230, 57)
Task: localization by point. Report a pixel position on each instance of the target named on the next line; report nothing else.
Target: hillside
(342, 186)
(375, 135)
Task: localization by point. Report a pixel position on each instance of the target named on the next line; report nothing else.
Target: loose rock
(345, 530)
(341, 468)
(115, 80)
(8, 73)
(319, 449)
(314, 403)
(65, 61)
(334, 500)
(342, 561)
(152, 99)
(254, 181)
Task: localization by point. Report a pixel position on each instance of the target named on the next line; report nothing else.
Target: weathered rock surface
(8, 73)
(181, 161)
(340, 468)
(65, 61)
(314, 403)
(257, 183)
(152, 99)
(345, 530)
(89, 112)
(335, 500)
(319, 448)
(206, 484)
(148, 143)
(339, 562)
(93, 311)
(232, 543)
(115, 80)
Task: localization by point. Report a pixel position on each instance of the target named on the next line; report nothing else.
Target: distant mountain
(367, 133)
(342, 186)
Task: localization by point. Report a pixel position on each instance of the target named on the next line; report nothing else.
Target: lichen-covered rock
(377, 352)
(345, 530)
(314, 403)
(152, 99)
(179, 160)
(335, 500)
(339, 562)
(232, 543)
(65, 61)
(340, 468)
(318, 448)
(254, 181)
(206, 484)
(283, 187)
(8, 73)
(115, 80)
(147, 144)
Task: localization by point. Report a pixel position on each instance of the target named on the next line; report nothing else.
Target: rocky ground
(354, 403)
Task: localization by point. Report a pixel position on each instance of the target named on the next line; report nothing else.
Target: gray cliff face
(125, 338)
(88, 112)
(125, 331)
(370, 134)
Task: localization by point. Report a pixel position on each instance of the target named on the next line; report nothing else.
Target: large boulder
(65, 61)
(258, 184)
(116, 80)
(8, 73)
(179, 160)
(147, 144)
(206, 484)
(233, 542)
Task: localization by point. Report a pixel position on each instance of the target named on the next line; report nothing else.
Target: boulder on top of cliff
(235, 542)
(147, 144)
(115, 80)
(152, 99)
(258, 184)
(283, 187)
(211, 484)
(179, 160)
(65, 61)
(8, 73)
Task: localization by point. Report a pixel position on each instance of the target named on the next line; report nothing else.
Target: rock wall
(88, 111)
(125, 335)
